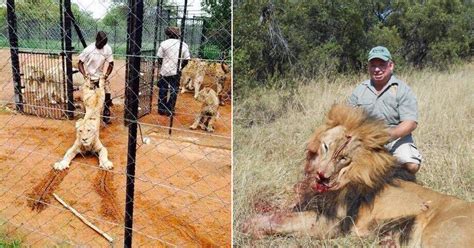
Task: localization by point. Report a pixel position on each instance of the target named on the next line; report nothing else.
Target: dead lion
(352, 186)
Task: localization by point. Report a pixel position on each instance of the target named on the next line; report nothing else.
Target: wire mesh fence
(182, 176)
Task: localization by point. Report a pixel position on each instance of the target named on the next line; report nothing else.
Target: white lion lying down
(208, 113)
(87, 140)
(87, 129)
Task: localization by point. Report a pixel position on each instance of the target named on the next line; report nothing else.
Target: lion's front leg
(197, 86)
(104, 161)
(305, 223)
(210, 124)
(196, 122)
(68, 157)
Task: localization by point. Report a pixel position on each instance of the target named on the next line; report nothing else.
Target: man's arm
(403, 129)
(109, 69)
(80, 66)
(408, 110)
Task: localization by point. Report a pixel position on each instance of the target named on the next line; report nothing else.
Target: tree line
(329, 37)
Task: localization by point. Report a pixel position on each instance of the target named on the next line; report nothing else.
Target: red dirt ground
(182, 190)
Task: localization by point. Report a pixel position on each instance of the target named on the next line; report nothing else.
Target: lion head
(34, 73)
(348, 148)
(87, 131)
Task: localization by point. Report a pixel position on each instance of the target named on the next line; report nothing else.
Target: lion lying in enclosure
(48, 83)
(352, 186)
(87, 129)
(208, 113)
(87, 140)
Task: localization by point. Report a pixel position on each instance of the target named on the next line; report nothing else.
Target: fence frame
(65, 21)
(135, 27)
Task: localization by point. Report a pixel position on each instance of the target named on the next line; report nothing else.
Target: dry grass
(271, 129)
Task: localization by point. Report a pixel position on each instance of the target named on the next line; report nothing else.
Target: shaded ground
(182, 190)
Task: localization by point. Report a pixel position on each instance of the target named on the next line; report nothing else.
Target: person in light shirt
(91, 64)
(170, 71)
(388, 98)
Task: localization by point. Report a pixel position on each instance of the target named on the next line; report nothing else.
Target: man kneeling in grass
(386, 97)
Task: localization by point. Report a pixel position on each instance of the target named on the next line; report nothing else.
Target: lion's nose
(321, 174)
(84, 140)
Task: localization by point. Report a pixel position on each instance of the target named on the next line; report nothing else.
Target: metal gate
(145, 93)
(43, 84)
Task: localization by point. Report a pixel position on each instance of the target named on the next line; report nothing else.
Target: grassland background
(272, 126)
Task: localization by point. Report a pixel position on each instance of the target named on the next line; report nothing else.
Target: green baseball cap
(380, 52)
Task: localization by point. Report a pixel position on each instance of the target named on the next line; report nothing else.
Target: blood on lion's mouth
(322, 184)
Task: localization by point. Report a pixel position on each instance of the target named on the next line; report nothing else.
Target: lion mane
(352, 185)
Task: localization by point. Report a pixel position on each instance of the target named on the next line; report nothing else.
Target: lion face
(87, 130)
(348, 148)
(329, 160)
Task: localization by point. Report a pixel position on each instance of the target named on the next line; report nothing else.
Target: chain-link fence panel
(66, 173)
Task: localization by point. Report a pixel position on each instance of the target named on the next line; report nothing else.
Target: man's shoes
(107, 105)
(164, 112)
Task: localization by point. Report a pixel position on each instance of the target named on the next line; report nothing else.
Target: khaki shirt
(395, 103)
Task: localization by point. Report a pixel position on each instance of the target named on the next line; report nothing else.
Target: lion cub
(208, 114)
(87, 140)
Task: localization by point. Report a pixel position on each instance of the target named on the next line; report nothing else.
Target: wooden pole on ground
(83, 219)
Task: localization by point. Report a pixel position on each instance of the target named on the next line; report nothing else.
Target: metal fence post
(183, 25)
(135, 17)
(12, 33)
(68, 53)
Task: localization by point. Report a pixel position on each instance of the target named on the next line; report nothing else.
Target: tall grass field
(272, 127)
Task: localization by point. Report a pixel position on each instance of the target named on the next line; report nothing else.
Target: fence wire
(182, 175)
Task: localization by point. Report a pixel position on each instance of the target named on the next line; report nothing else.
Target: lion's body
(353, 185)
(48, 83)
(209, 110)
(192, 75)
(226, 92)
(93, 97)
(87, 129)
(207, 75)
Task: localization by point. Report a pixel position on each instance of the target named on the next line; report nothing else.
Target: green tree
(218, 25)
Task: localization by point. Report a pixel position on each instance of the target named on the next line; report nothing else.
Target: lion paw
(202, 126)
(193, 127)
(259, 226)
(210, 129)
(61, 165)
(107, 165)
